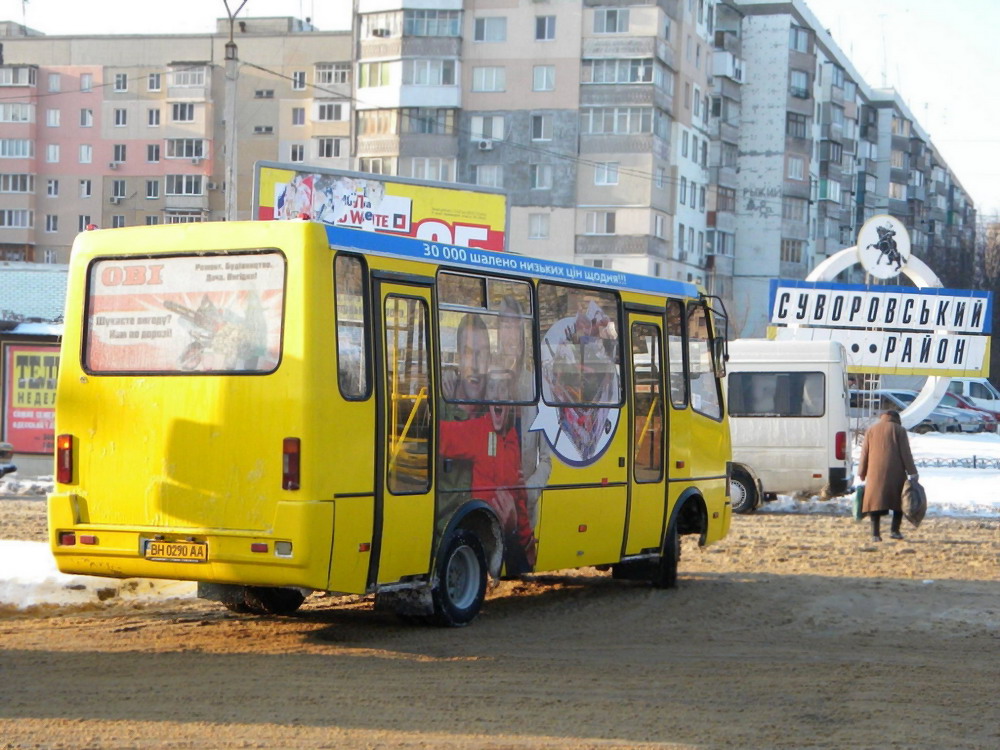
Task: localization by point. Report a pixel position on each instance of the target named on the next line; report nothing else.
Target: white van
(788, 416)
(979, 391)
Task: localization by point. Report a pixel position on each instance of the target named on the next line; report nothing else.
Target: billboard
(435, 212)
(30, 396)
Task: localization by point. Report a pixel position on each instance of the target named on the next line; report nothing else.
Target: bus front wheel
(665, 573)
(461, 586)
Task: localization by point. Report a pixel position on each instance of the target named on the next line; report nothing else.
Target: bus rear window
(185, 314)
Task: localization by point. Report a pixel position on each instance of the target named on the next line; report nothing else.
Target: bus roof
(487, 260)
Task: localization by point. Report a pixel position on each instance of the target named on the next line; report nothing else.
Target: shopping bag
(914, 501)
(859, 501)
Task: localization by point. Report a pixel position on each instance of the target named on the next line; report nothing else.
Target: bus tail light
(290, 453)
(67, 539)
(64, 459)
(841, 445)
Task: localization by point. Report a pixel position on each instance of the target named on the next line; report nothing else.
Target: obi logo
(137, 275)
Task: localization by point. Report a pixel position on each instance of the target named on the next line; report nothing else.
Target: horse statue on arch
(886, 247)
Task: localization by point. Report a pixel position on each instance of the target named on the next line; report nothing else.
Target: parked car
(6, 459)
(980, 391)
(968, 420)
(991, 418)
(881, 401)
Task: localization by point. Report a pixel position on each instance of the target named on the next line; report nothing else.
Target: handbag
(914, 501)
(859, 501)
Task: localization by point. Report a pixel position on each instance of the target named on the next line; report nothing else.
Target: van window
(200, 314)
(980, 390)
(777, 394)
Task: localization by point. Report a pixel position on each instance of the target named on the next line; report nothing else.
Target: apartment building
(725, 142)
(119, 131)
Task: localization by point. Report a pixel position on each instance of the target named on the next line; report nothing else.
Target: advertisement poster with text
(178, 314)
(29, 408)
(464, 217)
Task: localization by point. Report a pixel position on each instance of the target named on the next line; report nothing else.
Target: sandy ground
(795, 632)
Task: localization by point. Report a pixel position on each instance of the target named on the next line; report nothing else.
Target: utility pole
(229, 114)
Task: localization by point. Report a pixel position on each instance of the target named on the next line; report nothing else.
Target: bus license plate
(177, 551)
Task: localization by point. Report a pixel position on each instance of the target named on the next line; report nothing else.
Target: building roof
(32, 292)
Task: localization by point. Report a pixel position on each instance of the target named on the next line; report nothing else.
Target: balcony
(727, 65)
(587, 244)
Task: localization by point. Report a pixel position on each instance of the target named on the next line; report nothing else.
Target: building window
(377, 165)
(611, 20)
(121, 118)
(490, 29)
(17, 218)
(263, 129)
(118, 188)
(332, 73)
(327, 148)
(616, 120)
(152, 221)
(297, 152)
(83, 221)
(263, 94)
(701, 198)
(51, 223)
(298, 115)
(543, 78)
(86, 82)
(897, 191)
(183, 217)
(796, 125)
(600, 70)
(796, 168)
(545, 28)
(184, 184)
(52, 153)
(182, 112)
(487, 127)
(606, 173)
(661, 177)
(185, 148)
(600, 222)
(52, 118)
(489, 175)
(152, 189)
(378, 122)
(791, 251)
(153, 153)
(187, 77)
(541, 127)
(330, 112)
(298, 80)
(431, 23)
(492, 78)
(86, 188)
(52, 188)
(16, 148)
(54, 82)
(658, 225)
(798, 85)
(541, 176)
(685, 143)
(798, 39)
(121, 82)
(725, 199)
(538, 226)
(119, 153)
(17, 112)
(426, 120)
(793, 209)
(153, 82)
(431, 168)
(683, 191)
(423, 72)
(153, 117)
(86, 154)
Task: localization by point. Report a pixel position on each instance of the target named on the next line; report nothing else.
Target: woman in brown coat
(885, 463)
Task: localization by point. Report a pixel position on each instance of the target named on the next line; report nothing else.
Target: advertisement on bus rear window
(449, 215)
(185, 314)
(30, 390)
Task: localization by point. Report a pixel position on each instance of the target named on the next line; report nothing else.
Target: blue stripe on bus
(488, 260)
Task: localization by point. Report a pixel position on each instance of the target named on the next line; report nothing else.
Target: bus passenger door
(404, 505)
(647, 431)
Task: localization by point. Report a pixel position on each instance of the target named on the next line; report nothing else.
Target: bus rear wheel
(742, 492)
(461, 586)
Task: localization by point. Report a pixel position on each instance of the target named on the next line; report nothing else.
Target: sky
(28, 575)
(938, 55)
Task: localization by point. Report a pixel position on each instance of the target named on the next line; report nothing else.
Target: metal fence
(972, 462)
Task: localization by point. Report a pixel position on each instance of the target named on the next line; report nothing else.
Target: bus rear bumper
(295, 551)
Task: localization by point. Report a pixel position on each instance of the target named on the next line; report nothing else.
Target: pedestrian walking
(885, 463)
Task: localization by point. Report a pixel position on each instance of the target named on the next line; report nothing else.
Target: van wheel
(270, 600)
(742, 492)
(665, 573)
(461, 586)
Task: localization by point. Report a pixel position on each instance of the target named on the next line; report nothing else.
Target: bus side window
(675, 353)
(352, 322)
